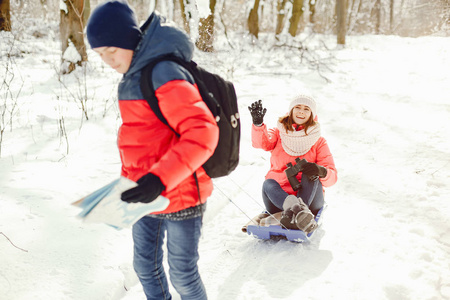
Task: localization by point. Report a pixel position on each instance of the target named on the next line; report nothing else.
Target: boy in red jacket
(161, 161)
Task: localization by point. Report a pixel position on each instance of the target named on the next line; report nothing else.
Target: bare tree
(206, 30)
(445, 8)
(281, 14)
(71, 32)
(350, 14)
(376, 13)
(253, 20)
(185, 15)
(5, 15)
(391, 16)
(312, 11)
(341, 23)
(297, 12)
(86, 10)
(9, 93)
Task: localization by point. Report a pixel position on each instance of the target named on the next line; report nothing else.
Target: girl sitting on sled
(296, 140)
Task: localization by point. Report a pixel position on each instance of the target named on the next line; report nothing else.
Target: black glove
(148, 189)
(313, 169)
(257, 112)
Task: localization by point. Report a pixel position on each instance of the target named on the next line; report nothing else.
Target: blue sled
(276, 231)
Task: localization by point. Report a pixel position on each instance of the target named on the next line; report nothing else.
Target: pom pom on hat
(304, 100)
(113, 24)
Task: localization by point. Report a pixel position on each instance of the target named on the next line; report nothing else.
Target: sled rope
(229, 199)
(259, 204)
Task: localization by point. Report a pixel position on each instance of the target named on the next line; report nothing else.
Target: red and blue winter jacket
(145, 144)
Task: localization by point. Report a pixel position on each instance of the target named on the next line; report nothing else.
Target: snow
(63, 6)
(383, 103)
(203, 8)
(71, 54)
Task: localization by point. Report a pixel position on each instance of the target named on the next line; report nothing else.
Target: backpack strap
(148, 92)
(196, 73)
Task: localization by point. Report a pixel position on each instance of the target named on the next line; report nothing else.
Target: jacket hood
(160, 37)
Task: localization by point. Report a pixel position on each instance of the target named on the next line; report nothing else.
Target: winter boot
(296, 215)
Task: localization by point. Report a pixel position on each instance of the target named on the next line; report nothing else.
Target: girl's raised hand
(257, 111)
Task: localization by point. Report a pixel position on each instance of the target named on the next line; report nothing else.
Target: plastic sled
(276, 231)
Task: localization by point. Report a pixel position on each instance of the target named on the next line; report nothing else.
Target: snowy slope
(384, 109)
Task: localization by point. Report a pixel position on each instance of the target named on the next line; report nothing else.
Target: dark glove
(313, 169)
(257, 112)
(148, 189)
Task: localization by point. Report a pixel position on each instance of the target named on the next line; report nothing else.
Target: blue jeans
(182, 246)
(311, 193)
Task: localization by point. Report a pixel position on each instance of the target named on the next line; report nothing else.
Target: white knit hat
(304, 100)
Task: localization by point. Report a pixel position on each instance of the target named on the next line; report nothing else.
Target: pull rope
(229, 199)
(253, 199)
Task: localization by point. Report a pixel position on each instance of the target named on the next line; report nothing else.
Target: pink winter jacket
(271, 141)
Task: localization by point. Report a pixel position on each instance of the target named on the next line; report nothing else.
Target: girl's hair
(288, 122)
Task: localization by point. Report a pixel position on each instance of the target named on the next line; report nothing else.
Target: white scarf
(297, 143)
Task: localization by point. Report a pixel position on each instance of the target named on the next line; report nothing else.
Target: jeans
(182, 246)
(311, 193)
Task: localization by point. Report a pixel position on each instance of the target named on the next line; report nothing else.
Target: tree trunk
(185, 17)
(350, 14)
(376, 13)
(341, 23)
(253, 20)
(391, 17)
(86, 11)
(297, 12)
(206, 30)
(5, 16)
(71, 31)
(280, 16)
(445, 7)
(312, 11)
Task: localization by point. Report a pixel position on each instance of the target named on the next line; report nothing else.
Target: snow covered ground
(384, 106)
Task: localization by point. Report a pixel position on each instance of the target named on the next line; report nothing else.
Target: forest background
(204, 19)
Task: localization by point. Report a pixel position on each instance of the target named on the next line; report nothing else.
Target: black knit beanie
(113, 24)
